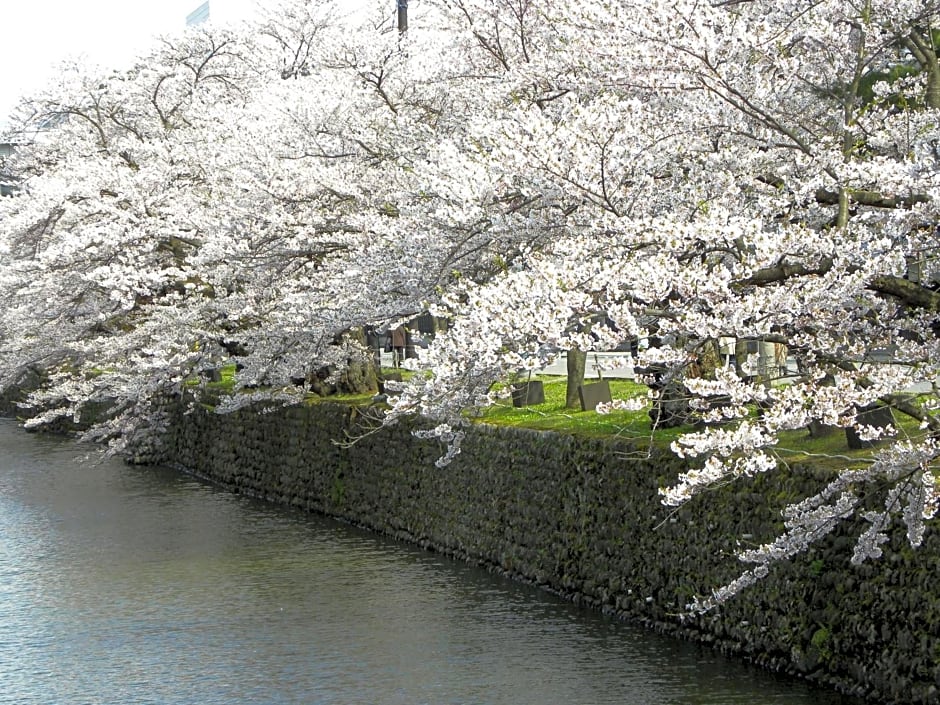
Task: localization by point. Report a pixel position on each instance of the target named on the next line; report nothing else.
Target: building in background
(199, 15)
(7, 186)
(222, 12)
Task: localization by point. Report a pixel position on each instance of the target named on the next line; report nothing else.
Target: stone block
(877, 416)
(213, 375)
(389, 377)
(528, 394)
(593, 394)
(817, 429)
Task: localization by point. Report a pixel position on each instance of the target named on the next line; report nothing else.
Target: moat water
(127, 585)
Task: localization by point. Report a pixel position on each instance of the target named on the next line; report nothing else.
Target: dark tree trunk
(577, 361)
(672, 406)
(740, 355)
(359, 377)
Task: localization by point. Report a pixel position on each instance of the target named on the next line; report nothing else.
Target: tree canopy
(548, 177)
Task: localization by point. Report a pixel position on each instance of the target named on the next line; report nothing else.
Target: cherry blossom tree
(550, 178)
(248, 195)
(99, 288)
(754, 170)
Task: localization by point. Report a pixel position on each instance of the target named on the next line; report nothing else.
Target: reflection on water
(130, 585)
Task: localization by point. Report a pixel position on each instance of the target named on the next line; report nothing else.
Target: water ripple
(135, 586)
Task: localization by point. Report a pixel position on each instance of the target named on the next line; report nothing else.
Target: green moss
(337, 491)
(349, 399)
(225, 384)
(821, 642)
(405, 374)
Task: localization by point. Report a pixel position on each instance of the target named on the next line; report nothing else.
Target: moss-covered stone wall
(582, 517)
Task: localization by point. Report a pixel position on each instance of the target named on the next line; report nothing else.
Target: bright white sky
(38, 34)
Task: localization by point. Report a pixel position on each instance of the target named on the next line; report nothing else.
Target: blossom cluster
(544, 176)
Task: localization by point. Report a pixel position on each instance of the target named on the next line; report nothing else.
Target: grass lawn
(552, 415)
(794, 446)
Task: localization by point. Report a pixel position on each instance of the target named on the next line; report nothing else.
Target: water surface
(126, 585)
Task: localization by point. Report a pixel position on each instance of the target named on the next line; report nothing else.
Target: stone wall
(582, 517)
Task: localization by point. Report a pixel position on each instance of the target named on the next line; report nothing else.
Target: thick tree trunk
(672, 406)
(577, 361)
(740, 355)
(709, 360)
(359, 377)
(922, 47)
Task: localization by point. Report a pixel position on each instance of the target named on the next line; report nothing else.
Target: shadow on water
(132, 585)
